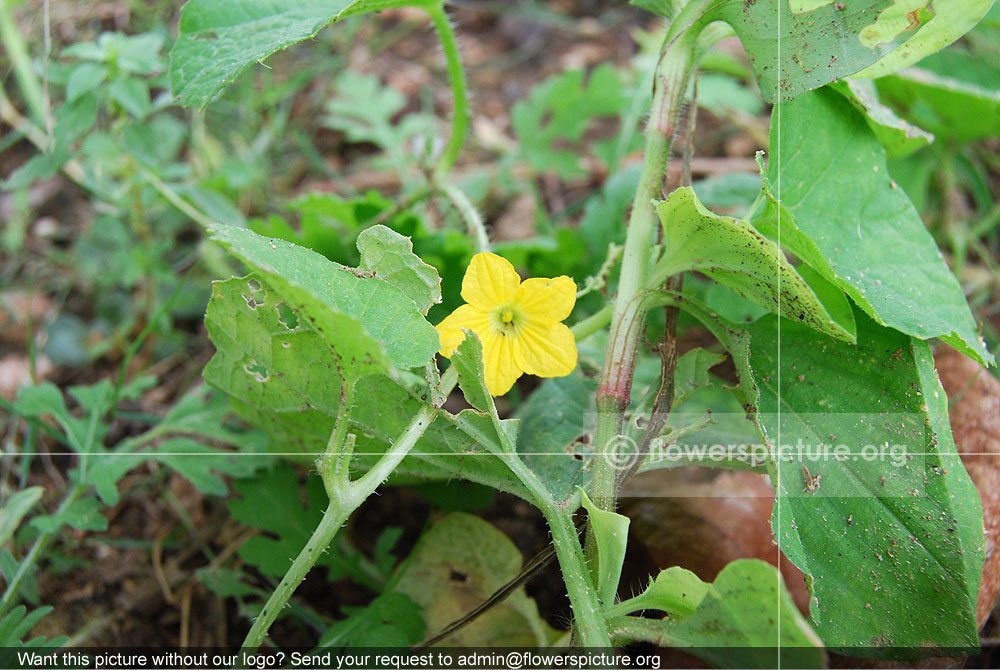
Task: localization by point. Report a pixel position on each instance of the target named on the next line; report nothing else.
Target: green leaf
(746, 619)
(603, 220)
(559, 110)
(390, 257)
(272, 502)
(676, 591)
(798, 45)
(18, 623)
(132, 94)
(47, 399)
(558, 423)
(274, 371)
(83, 78)
(456, 565)
(202, 465)
(732, 252)
(453, 446)
(73, 119)
(203, 412)
(962, 110)
(220, 38)
(873, 244)
(691, 372)
(873, 503)
(139, 54)
(950, 21)
(468, 360)
(39, 166)
(95, 399)
(15, 508)
(664, 8)
(228, 583)
(83, 514)
(611, 533)
(391, 620)
(105, 472)
(899, 137)
(730, 190)
(365, 110)
(363, 319)
(725, 96)
(286, 382)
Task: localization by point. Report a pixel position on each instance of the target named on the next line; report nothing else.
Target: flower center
(506, 320)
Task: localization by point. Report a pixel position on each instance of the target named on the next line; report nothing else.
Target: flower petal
(490, 281)
(451, 329)
(547, 300)
(546, 351)
(499, 363)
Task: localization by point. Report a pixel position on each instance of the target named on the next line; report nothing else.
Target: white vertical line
(775, 151)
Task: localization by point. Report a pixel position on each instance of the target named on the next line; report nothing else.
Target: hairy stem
(669, 86)
(344, 499)
(473, 219)
(460, 98)
(588, 619)
(636, 629)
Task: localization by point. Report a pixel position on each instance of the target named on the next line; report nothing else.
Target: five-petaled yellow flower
(517, 322)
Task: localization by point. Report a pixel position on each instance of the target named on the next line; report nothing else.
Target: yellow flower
(517, 322)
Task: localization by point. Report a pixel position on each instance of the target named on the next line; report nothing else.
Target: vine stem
(345, 497)
(459, 90)
(589, 622)
(588, 618)
(473, 220)
(670, 84)
(637, 629)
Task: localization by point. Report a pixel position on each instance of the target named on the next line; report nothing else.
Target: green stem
(593, 323)
(473, 220)
(344, 499)
(636, 629)
(176, 200)
(333, 465)
(669, 87)
(38, 549)
(16, 49)
(588, 619)
(333, 519)
(460, 99)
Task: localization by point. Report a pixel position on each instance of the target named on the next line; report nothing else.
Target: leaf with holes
(370, 325)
